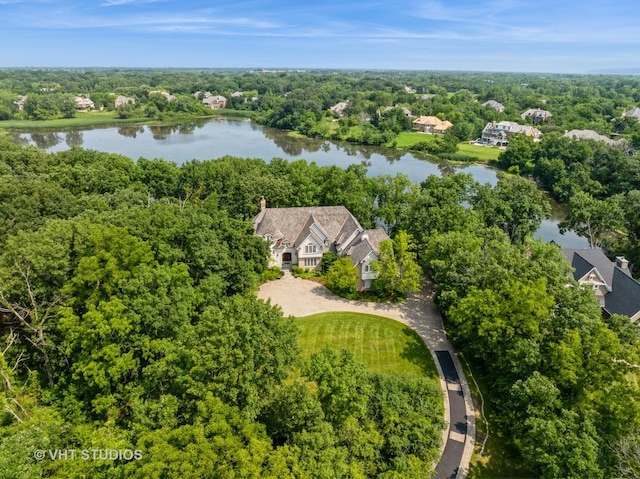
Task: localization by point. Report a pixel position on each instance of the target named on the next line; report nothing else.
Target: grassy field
(382, 344)
(406, 139)
(483, 153)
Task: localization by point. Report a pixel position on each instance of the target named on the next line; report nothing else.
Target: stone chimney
(621, 262)
(263, 203)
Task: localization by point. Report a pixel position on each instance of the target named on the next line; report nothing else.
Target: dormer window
(268, 237)
(310, 248)
(286, 244)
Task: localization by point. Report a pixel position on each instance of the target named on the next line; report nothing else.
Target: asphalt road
(447, 468)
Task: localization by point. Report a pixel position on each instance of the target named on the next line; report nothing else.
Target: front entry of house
(286, 260)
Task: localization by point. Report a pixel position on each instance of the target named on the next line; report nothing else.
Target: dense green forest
(127, 289)
(129, 320)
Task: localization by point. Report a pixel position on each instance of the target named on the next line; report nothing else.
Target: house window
(286, 244)
(310, 248)
(368, 268)
(268, 237)
(309, 262)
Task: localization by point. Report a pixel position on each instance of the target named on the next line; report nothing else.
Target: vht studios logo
(88, 454)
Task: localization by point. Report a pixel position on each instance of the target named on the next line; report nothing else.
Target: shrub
(342, 277)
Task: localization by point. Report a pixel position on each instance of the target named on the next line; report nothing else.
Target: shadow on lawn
(416, 352)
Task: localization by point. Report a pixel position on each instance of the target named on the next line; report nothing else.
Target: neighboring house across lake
(340, 108)
(537, 116)
(591, 135)
(300, 236)
(611, 282)
(498, 133)
(497, 106)
(215, 102)
(84, 103)
(124, 100)
(432, 124)
(20, 102)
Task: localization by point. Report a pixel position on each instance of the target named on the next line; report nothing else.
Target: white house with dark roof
(498, 133)
(300, 236)
(611, 282)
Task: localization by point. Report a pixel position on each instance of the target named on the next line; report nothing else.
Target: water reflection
(130, 131)
(73, 138)
(45, 140)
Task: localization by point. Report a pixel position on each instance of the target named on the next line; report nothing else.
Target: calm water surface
(203, 140)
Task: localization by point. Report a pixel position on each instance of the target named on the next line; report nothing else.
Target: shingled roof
(290, 223)
(624, 291)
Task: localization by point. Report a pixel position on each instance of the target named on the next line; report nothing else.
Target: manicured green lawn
(382, 344)
(481, 152)
(406, 139)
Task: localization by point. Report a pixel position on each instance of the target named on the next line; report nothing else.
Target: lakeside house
(498, 133)
(300, 236)
(124, 100)
(537, 115)
(591, 135)
(432, 124)
(215, 102)
(611, 281)
(497, 106)
(84, 103)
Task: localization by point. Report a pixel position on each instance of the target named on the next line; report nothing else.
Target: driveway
(298, 297)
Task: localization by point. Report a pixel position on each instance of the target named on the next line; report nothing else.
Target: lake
(207, 139)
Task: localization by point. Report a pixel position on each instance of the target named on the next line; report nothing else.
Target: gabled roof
(365, 243)
(625, 296)
(635, 112)
(294, 223)
(584, 259)
(590, 135)
(536, 112)
(494, 104)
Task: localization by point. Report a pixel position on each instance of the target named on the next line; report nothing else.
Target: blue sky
(569, 36)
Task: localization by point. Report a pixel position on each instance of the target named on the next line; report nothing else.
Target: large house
(215, 102)
(84, 103)
(498, 133)
(300, 236)
(610, 281)
(340, 108)
(591, 135)
(537, 115)
(124, 100)
(497, 106)
(432, 124)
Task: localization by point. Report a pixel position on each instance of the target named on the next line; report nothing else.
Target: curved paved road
(299, 298)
